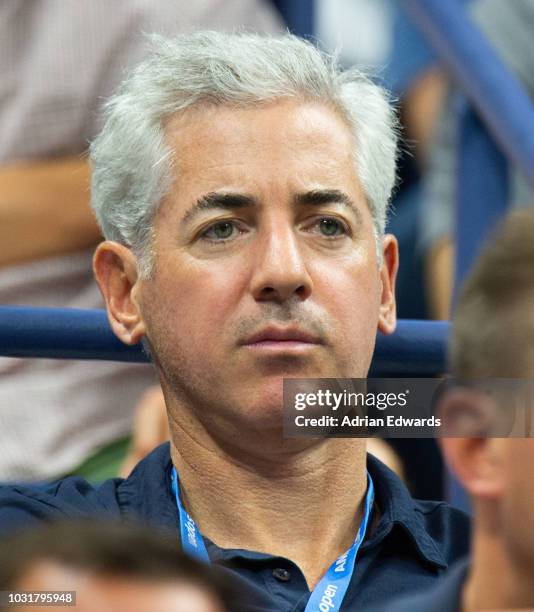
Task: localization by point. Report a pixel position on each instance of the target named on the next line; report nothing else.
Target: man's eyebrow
(321, 197)
(233, 201)
(213, 201)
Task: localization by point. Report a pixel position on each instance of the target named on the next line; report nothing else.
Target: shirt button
(281, 574)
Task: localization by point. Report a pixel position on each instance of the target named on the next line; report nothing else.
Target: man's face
(265, 260)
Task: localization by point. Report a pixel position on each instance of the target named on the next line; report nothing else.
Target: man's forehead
(256, 125)
(293, 147)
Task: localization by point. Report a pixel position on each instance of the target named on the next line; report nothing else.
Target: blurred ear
(475, 458)
(115, 269)
(387, 319)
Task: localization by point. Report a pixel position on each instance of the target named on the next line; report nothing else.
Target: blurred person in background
(508, 27)
(492, 338)
(358, 31)
(108, 567)
(242, 183)
(58, 60)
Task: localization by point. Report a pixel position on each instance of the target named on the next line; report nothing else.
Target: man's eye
(223, 230)
(330, 227)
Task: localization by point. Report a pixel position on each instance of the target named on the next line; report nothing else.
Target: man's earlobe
(115, 269)
(387, 319)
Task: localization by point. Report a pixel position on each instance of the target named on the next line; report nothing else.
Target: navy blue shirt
(409, 545)
(445, 596)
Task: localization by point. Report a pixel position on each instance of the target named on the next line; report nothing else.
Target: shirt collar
(399, 510)
(146, 495)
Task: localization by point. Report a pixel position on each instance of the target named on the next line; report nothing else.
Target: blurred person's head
(242, 183)
(493, 326)
(493, 338)
(111, 567)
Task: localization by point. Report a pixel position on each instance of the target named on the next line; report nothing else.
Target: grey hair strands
(132, 164)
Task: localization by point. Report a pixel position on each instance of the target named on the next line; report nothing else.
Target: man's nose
(279, 269)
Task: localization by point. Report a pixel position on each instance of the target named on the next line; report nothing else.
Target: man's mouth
(279, 338)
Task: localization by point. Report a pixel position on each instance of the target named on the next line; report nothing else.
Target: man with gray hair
(242, 185)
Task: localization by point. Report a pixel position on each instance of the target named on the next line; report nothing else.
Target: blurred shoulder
(22, 505)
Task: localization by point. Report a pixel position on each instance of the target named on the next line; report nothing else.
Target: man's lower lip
(281, 345)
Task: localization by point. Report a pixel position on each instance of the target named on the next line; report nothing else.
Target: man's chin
(263, 416)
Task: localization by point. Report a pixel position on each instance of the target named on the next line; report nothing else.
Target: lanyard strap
(329, 592)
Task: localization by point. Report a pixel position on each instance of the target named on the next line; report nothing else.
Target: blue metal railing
(416, 349)
(482, 190)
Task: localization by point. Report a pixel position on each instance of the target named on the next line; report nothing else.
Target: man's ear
(476, 458)
(115, 269)
(387, 319)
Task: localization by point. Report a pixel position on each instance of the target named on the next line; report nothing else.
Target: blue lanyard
(329, 593)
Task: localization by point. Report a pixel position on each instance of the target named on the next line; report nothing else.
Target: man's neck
(305, 505)
(495, 582)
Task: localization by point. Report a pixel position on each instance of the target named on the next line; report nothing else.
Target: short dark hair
(493, 324)
(128, 550)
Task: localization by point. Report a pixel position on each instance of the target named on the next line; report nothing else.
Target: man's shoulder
(444, 596)
(440, 532)
(22, 505)
(73, 497)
